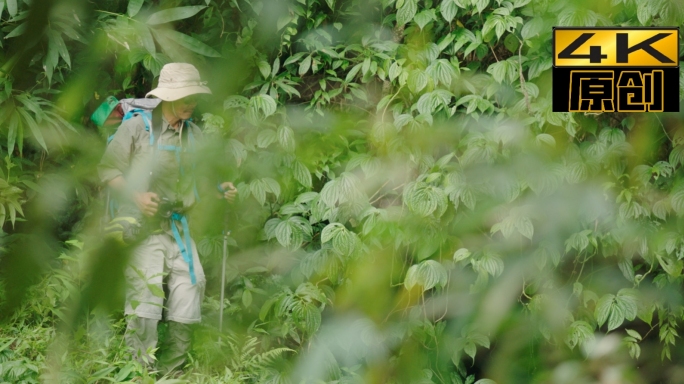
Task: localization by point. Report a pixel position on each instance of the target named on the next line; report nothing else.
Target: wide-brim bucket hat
(178, 80)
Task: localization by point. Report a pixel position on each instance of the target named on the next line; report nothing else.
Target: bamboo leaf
(12, 132)
(33, 126)
(12, 7)
(17, 31)
(61, 48)
(192, 44)
(173, 14)
(134, 7)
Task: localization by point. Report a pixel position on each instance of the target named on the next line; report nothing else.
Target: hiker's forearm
(120, 186)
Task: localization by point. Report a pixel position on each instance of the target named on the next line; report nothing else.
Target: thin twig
(379, 189)
(382, 117)
(223, 25)
(494, 53)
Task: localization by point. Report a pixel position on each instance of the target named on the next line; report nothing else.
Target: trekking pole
(226, 233)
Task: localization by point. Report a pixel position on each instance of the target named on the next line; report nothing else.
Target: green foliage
(379, 149)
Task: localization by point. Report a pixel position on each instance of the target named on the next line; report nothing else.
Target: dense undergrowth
(410, 210)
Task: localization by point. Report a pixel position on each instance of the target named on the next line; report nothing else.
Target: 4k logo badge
(616, 70)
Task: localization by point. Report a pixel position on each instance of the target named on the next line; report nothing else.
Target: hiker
(148, 166)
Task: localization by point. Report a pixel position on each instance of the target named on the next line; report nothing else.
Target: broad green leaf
(330, 231)
(134, 7)
(532, 28)
(260, 107)
(644, 12)
(448, 9)
(633, 333)
(617, 316)
(671, 266)
(283, 233)
(428, 274)
(266, 137)
(258, 190)
(490, 263)
(480, 5)
(246, 298)
(394, 71)
(286, 138)
(525, 227)
(603, 309)
(235, 101)
(304, 66)
(264, 68)
(407, 12)
(627, 300)
(547, 139)
(302, 174)
(271, 186)
(677, 199)
(173, 14)
(424, 17)
(461, 254)
(192, 44)
(470, 349)
(578, 333)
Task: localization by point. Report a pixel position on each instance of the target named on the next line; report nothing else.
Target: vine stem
(586, 258)
(663, 127)
(522, 78)
(384, 110)
(523, 291)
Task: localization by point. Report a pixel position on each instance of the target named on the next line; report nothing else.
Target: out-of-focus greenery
(410, 210)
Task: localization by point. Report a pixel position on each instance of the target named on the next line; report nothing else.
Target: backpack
(112, 112)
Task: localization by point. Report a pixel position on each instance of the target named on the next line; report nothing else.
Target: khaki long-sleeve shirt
(159, 168)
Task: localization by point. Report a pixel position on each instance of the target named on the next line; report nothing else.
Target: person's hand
(146, 202)
(229, 191)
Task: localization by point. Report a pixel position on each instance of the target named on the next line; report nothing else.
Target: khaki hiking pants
(159, 286)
